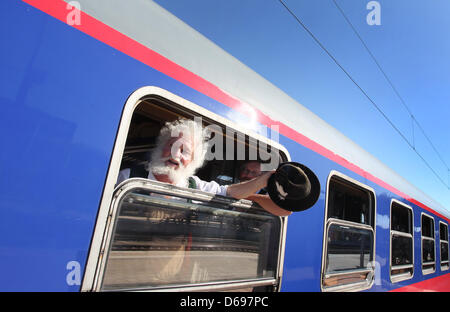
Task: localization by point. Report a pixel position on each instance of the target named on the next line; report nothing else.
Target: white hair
(192, 129)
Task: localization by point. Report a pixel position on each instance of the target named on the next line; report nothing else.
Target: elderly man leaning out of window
(180, 152)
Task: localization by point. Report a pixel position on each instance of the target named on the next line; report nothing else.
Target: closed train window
(349, 243)
(443, 242)
(159, 236)
(428, 247)
(402, 243)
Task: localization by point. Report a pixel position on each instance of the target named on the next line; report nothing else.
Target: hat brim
(298, 204)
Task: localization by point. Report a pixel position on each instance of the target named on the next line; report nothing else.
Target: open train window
(349, 238)
(428, 247)
(236, 146)
(443, 242)
(402, 242)
(156, 236)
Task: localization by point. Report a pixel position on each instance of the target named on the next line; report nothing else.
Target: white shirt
(210, 187)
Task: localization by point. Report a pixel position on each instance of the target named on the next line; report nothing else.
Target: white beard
(179, 176)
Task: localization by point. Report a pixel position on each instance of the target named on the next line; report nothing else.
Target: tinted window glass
(443, 235)
(443, 230)
(348, 202)
(348, 248)
(427, 226)
(161, 241)
(444, 251)
(401, 218)
(401, 250)
(427, 250)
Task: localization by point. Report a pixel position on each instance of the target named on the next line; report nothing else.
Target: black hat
(293, 187)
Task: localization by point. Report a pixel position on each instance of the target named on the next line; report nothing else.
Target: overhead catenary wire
(364, 92)
(413, 119)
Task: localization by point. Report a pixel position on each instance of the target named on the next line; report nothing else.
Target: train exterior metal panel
(62, 93)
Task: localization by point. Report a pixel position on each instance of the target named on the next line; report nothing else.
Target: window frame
(443, 267)
(363, 284)
(395, 278)
(143, 184)
(106, 212)
(427, 270)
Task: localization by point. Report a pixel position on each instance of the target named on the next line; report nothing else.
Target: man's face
(173, 163)
(250, 171)
(178, 151)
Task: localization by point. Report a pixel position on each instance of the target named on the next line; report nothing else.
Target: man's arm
(248, 191)
(268, 205)
(247, 188)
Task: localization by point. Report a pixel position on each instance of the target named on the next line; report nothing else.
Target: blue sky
(412, 45)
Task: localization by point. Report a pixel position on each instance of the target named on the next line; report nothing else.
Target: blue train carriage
(84, 93)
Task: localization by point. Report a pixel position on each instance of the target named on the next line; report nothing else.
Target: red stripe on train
(440, 283)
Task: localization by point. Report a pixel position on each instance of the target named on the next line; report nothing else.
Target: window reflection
(160, 241)
(401, 250)
(348, 248)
